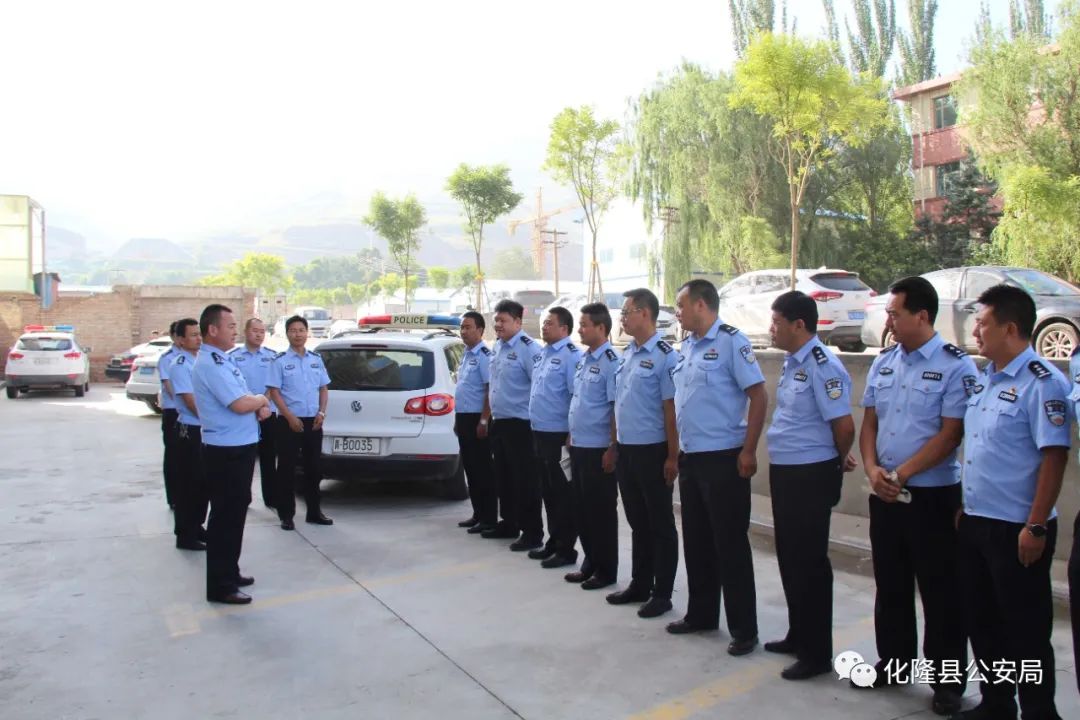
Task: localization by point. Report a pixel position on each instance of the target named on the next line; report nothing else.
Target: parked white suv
(746, 302)
(47, 358)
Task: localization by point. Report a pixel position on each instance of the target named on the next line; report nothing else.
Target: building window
(944, 176)
(638, 251)
(944, 112)
(606, 255)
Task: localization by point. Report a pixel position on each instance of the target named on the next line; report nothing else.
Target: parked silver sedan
(1057, 305)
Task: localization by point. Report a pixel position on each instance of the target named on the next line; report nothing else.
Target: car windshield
(840, 281)
(374, 368)
(1038, 283)
(316, 315)
(43, 343)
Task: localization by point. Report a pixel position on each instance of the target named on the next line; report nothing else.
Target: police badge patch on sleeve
(969, 385)
(747, 353)
(1055, 412)
(834, 388)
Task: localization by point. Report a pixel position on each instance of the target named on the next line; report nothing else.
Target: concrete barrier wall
(854, 498)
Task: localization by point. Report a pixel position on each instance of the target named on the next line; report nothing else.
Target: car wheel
(888, 339)
(454, 487)
(855, 347)
(1057, 341)
(12, 392)
(153, 405)
(86, 386)
(79, 391)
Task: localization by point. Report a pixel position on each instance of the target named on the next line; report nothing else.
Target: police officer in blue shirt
(168, 417)
(298, 387)
(255, 362)
(1074, 556)
(190, 513)
(512, 362)
(647, 455)
(915, 400)
(811, 434)
(720, 408)
(472, 415)
(592, 452)
(549, 410)
(1016, 441)
(230, 416)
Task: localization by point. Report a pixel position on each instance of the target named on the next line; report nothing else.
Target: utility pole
(555, 244)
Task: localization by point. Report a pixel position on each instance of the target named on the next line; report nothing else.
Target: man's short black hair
(598, 314)
(701, 289)
(172, 329)
(211, 314)
(643, 298)
(183, 325)
(296, 319)
(247, 325)
(511, 307)
(1010, 304)
(476, 318)
(919, 294)
(794, 305)
(564, 318)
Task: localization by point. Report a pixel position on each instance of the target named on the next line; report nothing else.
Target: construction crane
(539, 223)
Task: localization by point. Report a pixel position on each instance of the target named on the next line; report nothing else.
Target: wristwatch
(484, 422)
(1036, 530)
(321, 414)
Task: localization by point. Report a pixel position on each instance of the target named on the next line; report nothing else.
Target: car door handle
(968, 309)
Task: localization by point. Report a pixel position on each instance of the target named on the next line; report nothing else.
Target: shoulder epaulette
(485, 349)
(526, 339)
(280, 355)
(312, 352)
(953, 350)
(820, 355)
(729, 329)
(218, 360)
(1038, 369)
(571, 347)
(233, 349)
(611, 355)
(889, 348)
(664, 347)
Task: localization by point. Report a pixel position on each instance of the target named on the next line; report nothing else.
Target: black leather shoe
(627, 596)
(557, 561)
(319, 519)
(521, 545)
(655, 607)
(946, 701)
(781, 647)
(471, 522)
(541, 553)
(596, 582)
(244, 581)
(190, 544)
(575, 577)
(684, 627)
(234, 598)
(741, 647)
(985, 711)
(287, 525)
(500, 533)
(479, 529)
(802, 670)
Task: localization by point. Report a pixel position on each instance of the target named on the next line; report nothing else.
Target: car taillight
(73, 355)
(437, 404)
(824, 322)
(15, 356)
(826, 295)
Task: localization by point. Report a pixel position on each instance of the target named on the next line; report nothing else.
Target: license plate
(856, 315)
(42, 361)
(355, 446)
(146, 371)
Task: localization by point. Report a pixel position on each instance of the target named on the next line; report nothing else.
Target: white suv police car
(391, 406)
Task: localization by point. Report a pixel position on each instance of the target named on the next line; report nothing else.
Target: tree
(1029, 19)
(870, 47)
(1041, 222)
(464, 275)
(749, 18)
(917, 62)
(390, 283)
(586, 153)
(485, 193)
(513, 264)
(814, 105)
(398, 222)
(264, 272)
(439, 277)
(374, 288)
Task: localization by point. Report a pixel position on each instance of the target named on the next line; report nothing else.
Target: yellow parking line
(714, 693)
(181, 620)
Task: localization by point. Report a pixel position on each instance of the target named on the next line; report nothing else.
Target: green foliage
(1041, 222)
(513, 264)
(398, 221)
(438, 277)
(967, 220)
(390, 283)
(748, 18)
(871, 45)
(1029, 19)
(262, 271)
(462, 276)
(917, 62)
(375, 288)
(333, 272)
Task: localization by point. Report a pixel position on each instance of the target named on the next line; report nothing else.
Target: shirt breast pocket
(1009, 423)
(926, 400)
(884, 392)
(793, 394)
(642, 379)
(708, 372)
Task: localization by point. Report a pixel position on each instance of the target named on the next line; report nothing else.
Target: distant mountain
(157, 251)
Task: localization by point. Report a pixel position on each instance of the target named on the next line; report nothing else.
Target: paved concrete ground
(391, 613)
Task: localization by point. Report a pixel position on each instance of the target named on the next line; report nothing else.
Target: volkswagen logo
(356, 406)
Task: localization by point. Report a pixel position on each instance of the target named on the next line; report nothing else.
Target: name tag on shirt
(710, 355)
(800, 376)
(1007, 396)
(647, 364)
(930, 375)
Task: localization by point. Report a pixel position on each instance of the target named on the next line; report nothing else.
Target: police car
(47, 357)
(391, 406)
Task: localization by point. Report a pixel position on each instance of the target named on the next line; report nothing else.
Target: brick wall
(112, 322)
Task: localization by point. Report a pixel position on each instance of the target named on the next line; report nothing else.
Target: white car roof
(46, 334)
(419, 339)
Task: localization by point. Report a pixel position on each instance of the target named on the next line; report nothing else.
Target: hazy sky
(172, 120)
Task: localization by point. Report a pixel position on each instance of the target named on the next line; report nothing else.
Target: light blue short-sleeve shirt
(180, 375)
(593, 402)
(473, 377)
(298, 379)
(643, 381)
(255, 367)
(552, 386)
(164, 362)
(218, 383)
(512, 366)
